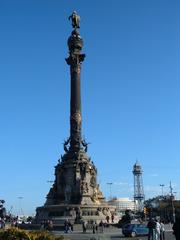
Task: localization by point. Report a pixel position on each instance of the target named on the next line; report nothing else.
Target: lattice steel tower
(138, 187)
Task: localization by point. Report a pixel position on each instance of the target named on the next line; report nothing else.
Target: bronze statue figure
(75, 18)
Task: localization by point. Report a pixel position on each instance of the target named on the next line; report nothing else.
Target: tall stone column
(75, 188)
(75, 44)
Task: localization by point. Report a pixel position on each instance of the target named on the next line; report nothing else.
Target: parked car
(133, 230)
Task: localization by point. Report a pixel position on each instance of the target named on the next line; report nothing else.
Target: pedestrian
(157, 230)
(84, 225)
(42, 225)
(66, 226)
(162, 230)
(46, 225)
(94, 227)
(107, 219)
(101, 226)
(176, 228)
(70, 226)
(50, 225)
(112, 218)
(151, 226)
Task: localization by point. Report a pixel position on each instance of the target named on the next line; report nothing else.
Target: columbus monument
(75, 193)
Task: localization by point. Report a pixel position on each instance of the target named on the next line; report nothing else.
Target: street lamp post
(110, 190)
(172, 202)
(20, 206)
(162, 186)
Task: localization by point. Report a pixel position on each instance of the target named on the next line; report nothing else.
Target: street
(109, 234)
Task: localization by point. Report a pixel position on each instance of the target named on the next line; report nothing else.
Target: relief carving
(84, 188)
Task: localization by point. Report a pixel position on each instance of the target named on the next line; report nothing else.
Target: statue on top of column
(75, 18)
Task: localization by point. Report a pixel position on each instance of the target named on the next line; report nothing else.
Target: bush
(14, 234)
(17, 234)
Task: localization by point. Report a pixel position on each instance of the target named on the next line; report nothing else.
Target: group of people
(95, 226)
(156, 229)
(47, 225)
(108, 218)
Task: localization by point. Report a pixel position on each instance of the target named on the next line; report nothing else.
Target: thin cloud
(122, 183)
(153, 175)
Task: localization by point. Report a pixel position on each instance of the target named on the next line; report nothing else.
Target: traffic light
(145, 210)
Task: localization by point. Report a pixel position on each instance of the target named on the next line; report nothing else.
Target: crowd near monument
(75, 193)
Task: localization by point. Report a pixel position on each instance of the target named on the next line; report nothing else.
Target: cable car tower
(138, 187)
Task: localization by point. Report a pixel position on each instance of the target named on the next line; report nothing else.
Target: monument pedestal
(75, 193)
(75, 213)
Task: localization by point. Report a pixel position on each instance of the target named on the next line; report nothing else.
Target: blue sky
(130, 94)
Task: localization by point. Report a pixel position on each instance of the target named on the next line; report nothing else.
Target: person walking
(50, 225)
(84, 225)
(71, 226)
(107, 219)
(176, 228)
(94, 227)
(112, 218)
(101, 226)
(162, 230)
(66, 226)
(151, 226)
(157, 230)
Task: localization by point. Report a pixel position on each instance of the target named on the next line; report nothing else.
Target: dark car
(134, 230)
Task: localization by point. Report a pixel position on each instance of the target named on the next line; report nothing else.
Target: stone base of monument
(75, 213)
